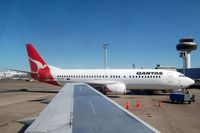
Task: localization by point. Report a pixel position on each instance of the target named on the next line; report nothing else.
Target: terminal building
(13, 75)
(193, 73)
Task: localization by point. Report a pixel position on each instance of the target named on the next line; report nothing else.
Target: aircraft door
(170, 77)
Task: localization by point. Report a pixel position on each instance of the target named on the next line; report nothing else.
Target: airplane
(111, 81)
(80, 108)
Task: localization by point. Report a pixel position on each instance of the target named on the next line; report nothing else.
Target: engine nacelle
(115, 89)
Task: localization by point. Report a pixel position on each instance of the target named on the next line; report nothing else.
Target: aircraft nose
(190, 81)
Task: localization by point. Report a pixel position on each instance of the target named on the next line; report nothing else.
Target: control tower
(185, 47)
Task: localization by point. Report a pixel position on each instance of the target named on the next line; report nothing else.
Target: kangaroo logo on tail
(36, 61)
(39, 65)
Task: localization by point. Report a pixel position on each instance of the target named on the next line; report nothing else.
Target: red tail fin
(36, 61)
(39, 68)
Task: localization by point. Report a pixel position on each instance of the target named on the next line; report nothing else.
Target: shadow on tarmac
(26, 90)
(23, 129)
(147, 92)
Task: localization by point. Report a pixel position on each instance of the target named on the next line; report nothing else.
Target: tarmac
(19, 100)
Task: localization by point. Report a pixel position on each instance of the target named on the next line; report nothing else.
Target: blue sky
(70, 33)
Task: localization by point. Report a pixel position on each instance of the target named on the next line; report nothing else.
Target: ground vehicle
(181, 97)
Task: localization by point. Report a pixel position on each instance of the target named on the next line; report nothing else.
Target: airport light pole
(133, 65)
(105, 46)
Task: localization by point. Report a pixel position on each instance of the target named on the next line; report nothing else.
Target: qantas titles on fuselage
(114, 80)
(149, 73)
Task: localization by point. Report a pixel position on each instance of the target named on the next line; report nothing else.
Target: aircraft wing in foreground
(79, 108)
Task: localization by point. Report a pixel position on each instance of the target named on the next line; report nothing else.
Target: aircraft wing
(79, 108)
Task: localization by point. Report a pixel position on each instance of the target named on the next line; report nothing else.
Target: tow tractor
(183, 96)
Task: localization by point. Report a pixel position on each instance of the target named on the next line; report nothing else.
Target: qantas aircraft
(113, 81)
(78, 107)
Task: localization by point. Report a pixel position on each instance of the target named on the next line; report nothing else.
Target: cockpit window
(181, 75)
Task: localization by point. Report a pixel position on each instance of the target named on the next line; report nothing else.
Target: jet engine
(115, 89)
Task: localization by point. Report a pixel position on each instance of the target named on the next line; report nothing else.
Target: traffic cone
(127, 106)
(138, 104)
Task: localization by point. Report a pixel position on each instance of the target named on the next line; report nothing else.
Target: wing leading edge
(80, 108)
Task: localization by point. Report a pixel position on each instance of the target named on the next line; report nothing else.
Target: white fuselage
(157, 79)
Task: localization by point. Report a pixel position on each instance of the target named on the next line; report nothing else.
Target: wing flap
(94, 112)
